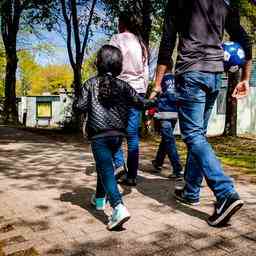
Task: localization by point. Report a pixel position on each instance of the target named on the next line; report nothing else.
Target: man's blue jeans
(168, 146)
(196, 94)
(103, 151)
(133, 144)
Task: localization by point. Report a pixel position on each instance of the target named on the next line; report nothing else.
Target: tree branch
(69, 33)
(17, 9)
(6, 22)
(76, 30)
(88, 27)
(4, 31)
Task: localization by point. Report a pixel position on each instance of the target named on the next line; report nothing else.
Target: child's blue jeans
(133, 144)
(168, 146)
(104, 149)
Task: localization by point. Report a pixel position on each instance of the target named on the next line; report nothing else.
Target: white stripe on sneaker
(221, 208)
(222, 217)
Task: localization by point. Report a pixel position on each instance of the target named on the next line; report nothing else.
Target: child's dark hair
(134, 25)
(109, 64)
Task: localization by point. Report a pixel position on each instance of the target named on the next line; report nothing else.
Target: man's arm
(238, 34)
(243, 87)
(167, 45)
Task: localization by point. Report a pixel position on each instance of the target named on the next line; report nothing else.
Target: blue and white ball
(234, 56)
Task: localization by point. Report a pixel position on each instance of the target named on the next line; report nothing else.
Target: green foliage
(39, 13)
(15, 14)
(156, 31)
(147, 10)
(28, 69)
(34, 79)
(51, 78)
(238, 153)
(248, 15)
(89, 68)
(134, 6)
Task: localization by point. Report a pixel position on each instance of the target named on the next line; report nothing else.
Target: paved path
(45, 209)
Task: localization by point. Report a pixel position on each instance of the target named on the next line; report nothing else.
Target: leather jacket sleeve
(133, 98)
(81, 103)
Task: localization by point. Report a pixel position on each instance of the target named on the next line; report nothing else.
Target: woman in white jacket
(135, 72)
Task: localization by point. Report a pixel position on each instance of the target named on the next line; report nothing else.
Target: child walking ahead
(106, 100)
(167, 115)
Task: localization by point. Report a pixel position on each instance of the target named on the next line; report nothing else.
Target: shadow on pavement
(162, 190)
(81, 197)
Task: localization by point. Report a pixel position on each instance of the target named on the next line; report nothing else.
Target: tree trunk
(231, 106)
(147, 22)
(77, 79)
(10, 108)
(10, 18)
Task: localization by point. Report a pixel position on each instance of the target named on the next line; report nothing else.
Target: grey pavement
(45, 188)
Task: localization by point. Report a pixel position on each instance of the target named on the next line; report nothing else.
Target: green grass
(238, 153)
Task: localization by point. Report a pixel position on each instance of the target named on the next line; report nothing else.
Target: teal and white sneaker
(119, 216)
(99, 203)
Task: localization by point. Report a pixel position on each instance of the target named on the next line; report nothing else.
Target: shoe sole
(120, 223)
(181, 200)
(179, 185)
(100, 208)
(224, 219)
(171, 177)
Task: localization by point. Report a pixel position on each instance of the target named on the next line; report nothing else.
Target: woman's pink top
(135, 68)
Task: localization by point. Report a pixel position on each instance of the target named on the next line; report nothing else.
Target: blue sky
(59, 54)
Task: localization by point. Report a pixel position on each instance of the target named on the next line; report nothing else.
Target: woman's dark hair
(134, 25)
(109, 65)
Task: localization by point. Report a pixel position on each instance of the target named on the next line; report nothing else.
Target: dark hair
(109, 64)
(134, 25)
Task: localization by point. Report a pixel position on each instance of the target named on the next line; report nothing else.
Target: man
(200, 25)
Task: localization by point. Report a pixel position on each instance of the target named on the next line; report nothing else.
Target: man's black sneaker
(120, 172)
(179, 195)
(128, 182)
(224, 210)
(157, 168)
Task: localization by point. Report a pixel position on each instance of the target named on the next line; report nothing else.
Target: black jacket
(102, 119)
(200, 25)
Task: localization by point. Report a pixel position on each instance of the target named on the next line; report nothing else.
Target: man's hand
(241, 90)
(160, 71)
(155, 92)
